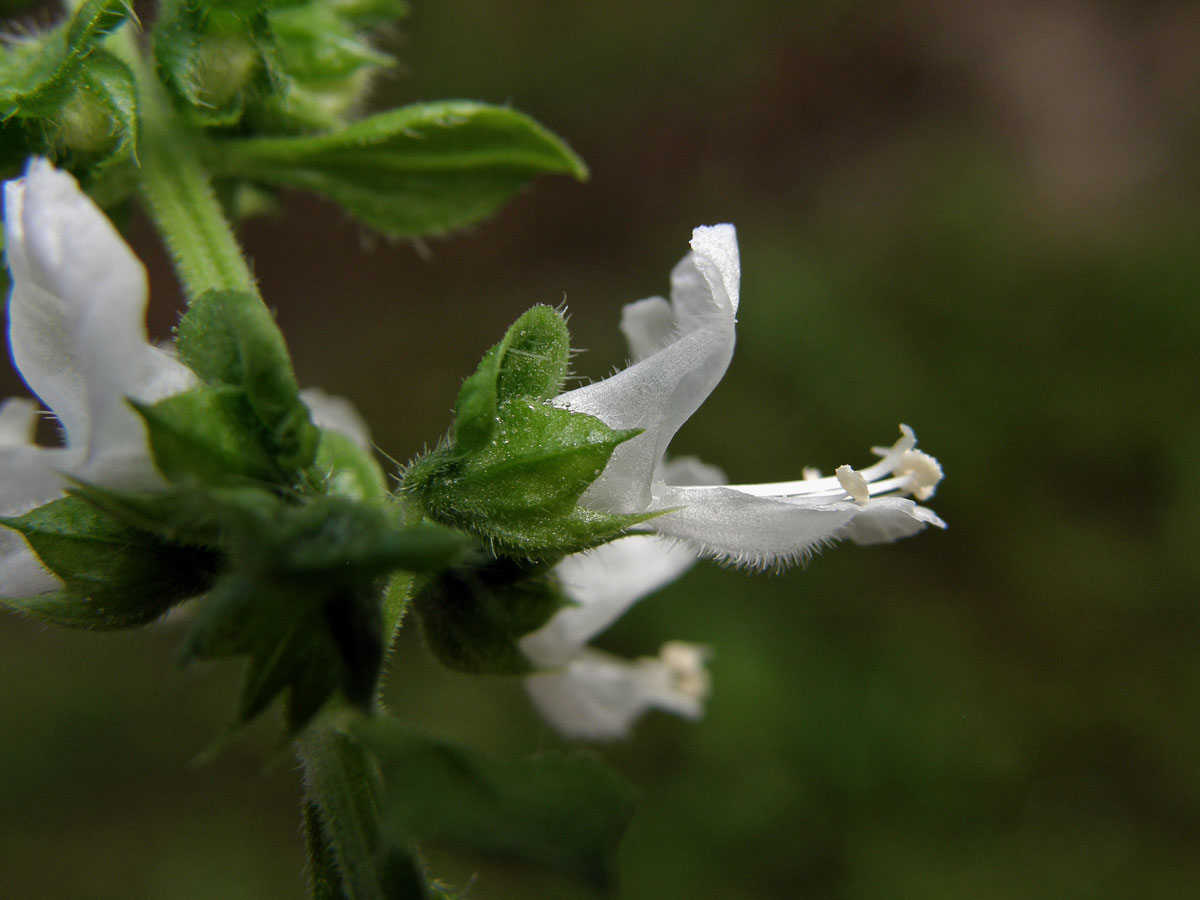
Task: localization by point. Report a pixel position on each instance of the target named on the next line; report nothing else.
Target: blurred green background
(978, 219)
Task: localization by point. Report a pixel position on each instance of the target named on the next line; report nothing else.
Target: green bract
(515, 466)
(247, 421)
(419, 170)
(300, 595)
(210, 54)
(114, 574)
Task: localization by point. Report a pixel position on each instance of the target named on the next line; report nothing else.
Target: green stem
(348, 857)
(179, 195)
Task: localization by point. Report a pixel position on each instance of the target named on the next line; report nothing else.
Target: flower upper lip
(78, 337)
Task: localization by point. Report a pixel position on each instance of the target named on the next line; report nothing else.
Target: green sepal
(316, 44)
(563, 813)
(186, 516)
(418, 170)
(347, 469)
(516, 466)
(530, 362)
(211, 55)
(114, 575)
(307, 642)
(230, 338)
(63, 95)
(472, 616)
(211, 435)
(520, 493)
(39, 73)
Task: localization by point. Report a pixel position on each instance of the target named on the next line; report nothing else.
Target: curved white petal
(337, 414)
(659, 392)
(603, 583)
(599, 696)
(762, 532)
(882, 523)
(76, 323)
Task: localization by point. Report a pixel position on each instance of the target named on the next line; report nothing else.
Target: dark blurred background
(979, 219)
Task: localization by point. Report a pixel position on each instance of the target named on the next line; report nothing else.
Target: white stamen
(685, 665)
(923, 472)
(853, 483)
(901, 469)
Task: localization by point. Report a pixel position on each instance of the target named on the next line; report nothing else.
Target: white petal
(18, 420)
(604, 583)
(648, 326)
(764, 532)
(76, 321)
(337, 414)
(688, 470)
(659, 393)
(882, 522)
(599, 696)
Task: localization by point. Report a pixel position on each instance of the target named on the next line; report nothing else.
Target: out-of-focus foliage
(984, 226)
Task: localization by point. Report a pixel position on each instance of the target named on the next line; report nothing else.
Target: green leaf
(414, 171)
(473, 616)
(115, 576)
(563, 813)
(230, 338)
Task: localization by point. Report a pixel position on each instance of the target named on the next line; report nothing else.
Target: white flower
(589, 694)
(76, 328)
(680, 350)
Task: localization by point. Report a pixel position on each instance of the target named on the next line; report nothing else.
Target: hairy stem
(179, 195)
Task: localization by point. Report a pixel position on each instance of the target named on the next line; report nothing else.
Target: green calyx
(515, 466)
(65, 96)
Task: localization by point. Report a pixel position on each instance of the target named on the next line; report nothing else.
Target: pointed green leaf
(418, 170)
(114, 576)
(305, 642)
(563, 813)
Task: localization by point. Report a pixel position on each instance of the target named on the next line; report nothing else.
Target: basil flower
(76, 329)
(585, 693)
(680, 350)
